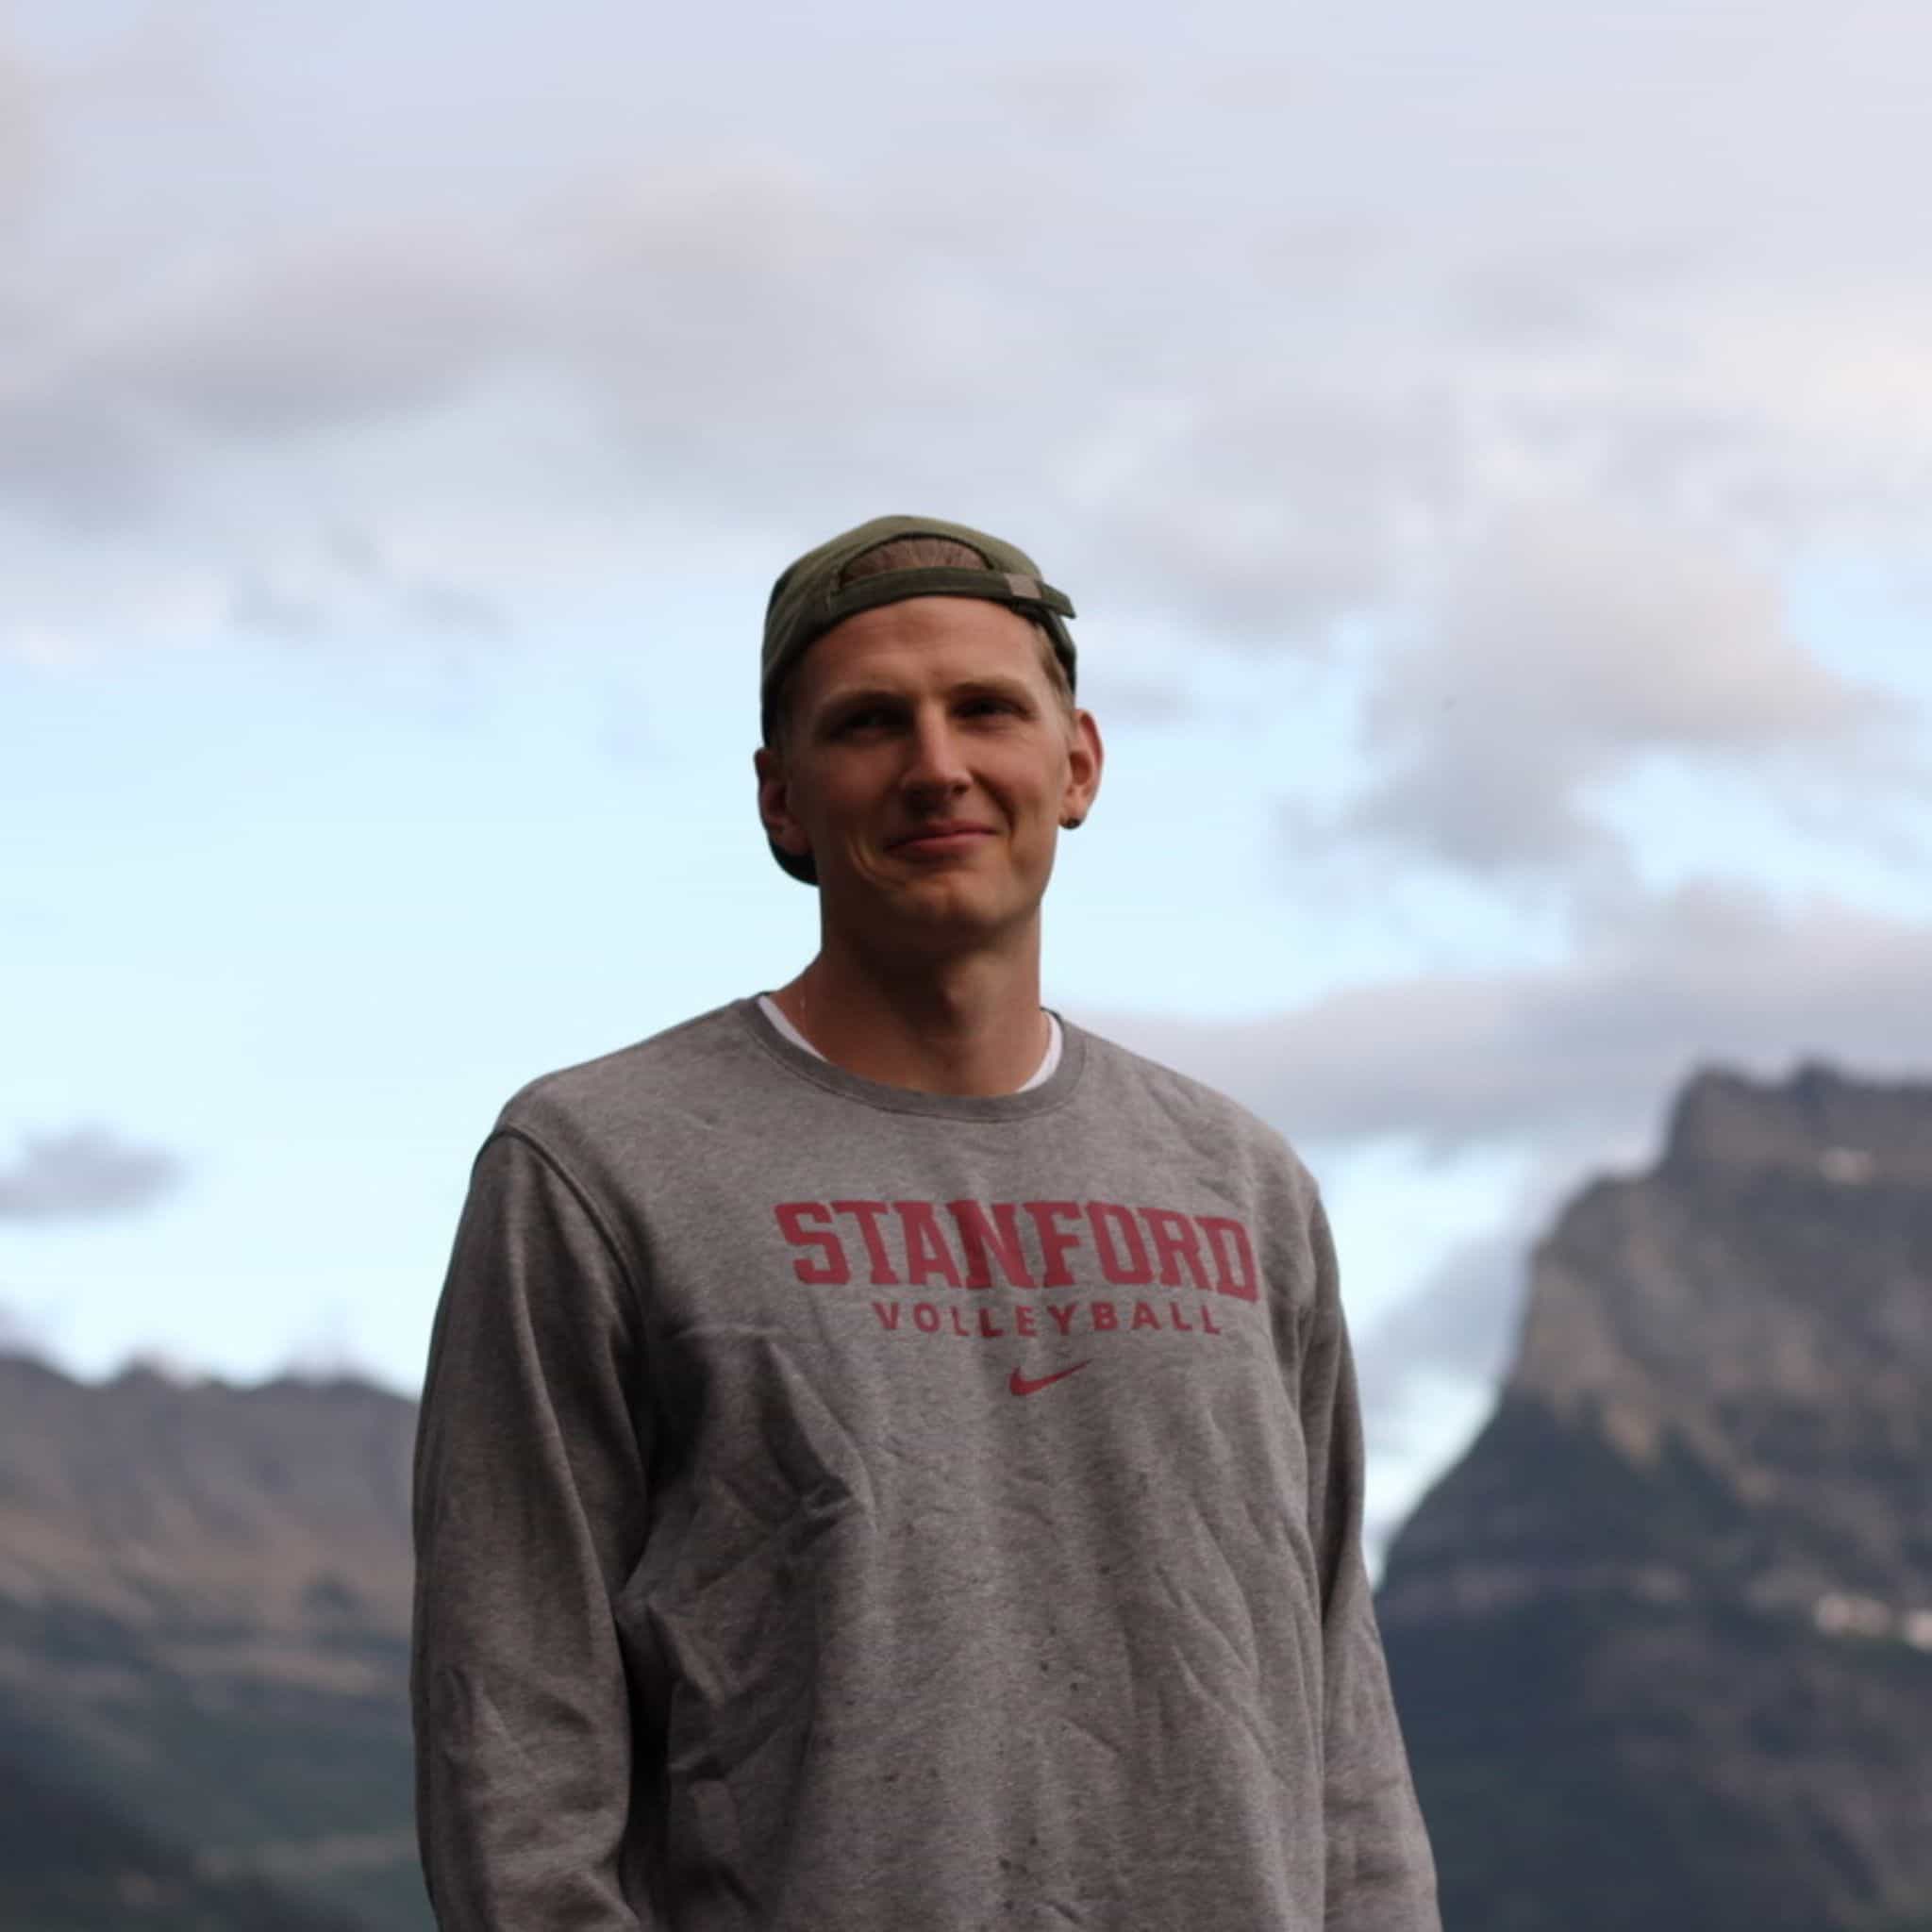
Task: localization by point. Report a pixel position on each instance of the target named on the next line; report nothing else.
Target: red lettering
(1208, 1325)
(1144, 1317)
(1233, 1256)
(1063, 1313)
(925, 1318)
(988, 1326)
(996, 1239)
(958, 1327)
(1052, 1243)
(1175, 1236)
(1179, 1320)
(792, 1215)
(867, 1214)
(925, 1248)
(888, 1313)
(1105, 1315)
(1023, 1319)
(1137, 1268)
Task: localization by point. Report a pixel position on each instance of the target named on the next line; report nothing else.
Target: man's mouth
(953, 837)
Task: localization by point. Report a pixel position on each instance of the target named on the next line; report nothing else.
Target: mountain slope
(1662, 1639)
(70, 1864)
(204, 1619)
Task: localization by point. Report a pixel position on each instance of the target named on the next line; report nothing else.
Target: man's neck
(963, 1025)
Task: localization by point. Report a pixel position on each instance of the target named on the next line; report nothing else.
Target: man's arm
(1381, 1877)
(529, 1514)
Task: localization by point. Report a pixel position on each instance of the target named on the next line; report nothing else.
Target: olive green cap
(811, 596)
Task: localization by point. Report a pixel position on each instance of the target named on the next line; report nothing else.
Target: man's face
(926, 767)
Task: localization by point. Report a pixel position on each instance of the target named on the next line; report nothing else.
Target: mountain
(204, 1654)
(1662, 1638)
(70, 1864)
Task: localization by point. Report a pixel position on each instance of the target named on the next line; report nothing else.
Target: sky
(1490, 450)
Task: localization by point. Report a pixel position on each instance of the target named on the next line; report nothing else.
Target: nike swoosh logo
(1027, 1384)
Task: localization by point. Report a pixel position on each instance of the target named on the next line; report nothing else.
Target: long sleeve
(1381, 1875)
(530, 1484)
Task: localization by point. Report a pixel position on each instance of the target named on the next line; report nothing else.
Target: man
(890, 1458)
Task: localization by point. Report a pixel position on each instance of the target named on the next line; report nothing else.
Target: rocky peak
(1819, 1121)
(1761, 1301)
(1677, 1595)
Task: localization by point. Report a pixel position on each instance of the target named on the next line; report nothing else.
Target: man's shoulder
(693, 1064)
(1189, 1106)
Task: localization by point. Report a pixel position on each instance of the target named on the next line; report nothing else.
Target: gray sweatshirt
(846, 1509)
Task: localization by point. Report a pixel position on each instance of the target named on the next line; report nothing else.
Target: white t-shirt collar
(1041, 1074)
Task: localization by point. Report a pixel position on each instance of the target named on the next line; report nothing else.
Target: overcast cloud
(1571, 642)
(1502, 368)
(1577, 1063)
(1577, 1054)
(1259, 337)
(87, 1173)
(1538, 366)
(1458, 1325)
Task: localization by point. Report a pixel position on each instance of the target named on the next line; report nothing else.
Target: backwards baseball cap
(820, 591)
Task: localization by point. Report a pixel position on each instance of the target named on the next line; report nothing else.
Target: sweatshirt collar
(1052, 1092)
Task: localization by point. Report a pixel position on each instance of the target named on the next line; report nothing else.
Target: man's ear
(775, 804)
(1085, 756)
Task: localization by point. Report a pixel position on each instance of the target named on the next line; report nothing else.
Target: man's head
(917, 676)
(884, 561)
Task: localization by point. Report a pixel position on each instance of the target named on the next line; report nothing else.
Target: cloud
(1572, 642)
(347, 579)
(330, 1350)
(89, 1173)
(19, 113)
(258, 607)
(319, 335)
(72, 461)
(21, 1333)
(763, 286)
(1573, 1057)
(1265, 508)
(1269, 340)
(1458, 1324)
(1457, 1329)
(1572, 1063)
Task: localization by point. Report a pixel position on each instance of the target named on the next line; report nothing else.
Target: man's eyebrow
(994, 684)
(991, 684)
(860, 695)
(835, 704)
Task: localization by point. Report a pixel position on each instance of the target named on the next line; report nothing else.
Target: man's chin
(945, 902)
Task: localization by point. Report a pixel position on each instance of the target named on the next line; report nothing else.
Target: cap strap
(938, 580)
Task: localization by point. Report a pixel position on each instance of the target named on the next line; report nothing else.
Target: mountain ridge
(1687, 1564)
(1661, 1639)
(205, 1598)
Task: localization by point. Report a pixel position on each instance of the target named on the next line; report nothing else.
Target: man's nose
(935, 761)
